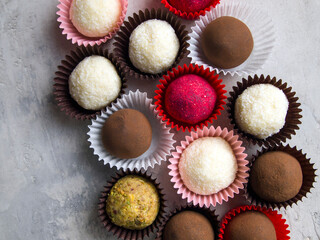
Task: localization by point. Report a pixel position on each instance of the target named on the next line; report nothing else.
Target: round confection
(208, 165)
(127, 134)
(153, 46)
(190, 5)
(188, 225)
(133, 203)
(226, 42)
(94, 83)
(190, 99)
(250, 225)
(261, 110)
(95, 18)
(276, 176)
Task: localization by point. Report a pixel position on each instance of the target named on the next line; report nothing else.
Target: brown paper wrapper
(292, 118)
(122, 40)
(209, 213)
(121, 232)
(61, 85)
(308, 172)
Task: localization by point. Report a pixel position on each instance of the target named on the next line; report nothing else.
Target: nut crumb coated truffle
(208, 165)
(153, 46)
(276, 176)
(250, 225)
(261, 110)
(133, 203)
(95, 18)
(94, 83)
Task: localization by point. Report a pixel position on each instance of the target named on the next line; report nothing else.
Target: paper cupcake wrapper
(162, 140)
(122, 40)
(261, 28)
(124, 233)
(189, 15)
(61, 85)
(279, 223)
(212, 79)
(223, 195)
(292, 118)
(308, 172)
(208, 213)
(74, 35)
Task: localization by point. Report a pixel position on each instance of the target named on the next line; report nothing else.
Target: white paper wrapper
(261, 28)
(162, 140)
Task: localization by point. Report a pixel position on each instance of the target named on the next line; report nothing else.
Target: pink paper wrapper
(73, 34)
(223, 195)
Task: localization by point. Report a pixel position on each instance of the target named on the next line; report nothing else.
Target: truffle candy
(127, 134)
(153, 46)
(276, 176)
(261, 110)
(190, 5)
(190, 99)
(226, 42)
(188, 225)
(250, 225)
(95, 18)
(208, 165)
(133, 203)
(94, 83)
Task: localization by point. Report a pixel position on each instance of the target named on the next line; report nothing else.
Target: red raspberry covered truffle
(190, 5)
(190, 99)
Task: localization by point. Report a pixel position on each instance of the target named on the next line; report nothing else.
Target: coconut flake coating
(153, 46)
(133, 202)
(94, 83)
(208, 165)
(261, 110)
(95, 18)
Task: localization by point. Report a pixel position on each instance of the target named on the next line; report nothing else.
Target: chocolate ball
(127, 134)
(190, 99)
(227, 42)
(188, 225)
(276, 176)
(250, 225)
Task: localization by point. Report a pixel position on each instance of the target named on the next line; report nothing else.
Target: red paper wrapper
(212, 79)
(124, 233)
(209, 213)
(189, 15)
(292, 118)
(279, 223)
(308, 172)
(73, 34)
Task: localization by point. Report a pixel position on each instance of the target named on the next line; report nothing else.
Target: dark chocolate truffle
(190, 99)
(227, 42)
(126, 134)
(188, 225)
(276, 176)
(250, 225)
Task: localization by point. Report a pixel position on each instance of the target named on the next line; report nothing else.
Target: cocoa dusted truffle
(188, 225)
(276, 176)
(250, 225)
(227, 42)
(190, 99)
(127, 134)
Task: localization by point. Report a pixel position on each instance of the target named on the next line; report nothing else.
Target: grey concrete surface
(49, 178)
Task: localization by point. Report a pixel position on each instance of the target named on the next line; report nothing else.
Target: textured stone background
(49, 179)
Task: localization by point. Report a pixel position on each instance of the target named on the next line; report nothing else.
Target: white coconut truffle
(94, 83)
(153, 46)
(261, 110)
(208, 165)
(95, 18)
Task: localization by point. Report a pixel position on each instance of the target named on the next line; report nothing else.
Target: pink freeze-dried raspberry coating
(190, 5)
(190, 99)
